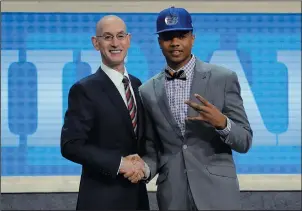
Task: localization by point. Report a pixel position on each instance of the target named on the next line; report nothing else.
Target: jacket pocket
(222, 171)
(162, 177)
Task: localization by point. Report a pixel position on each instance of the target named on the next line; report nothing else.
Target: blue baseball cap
(174, 19)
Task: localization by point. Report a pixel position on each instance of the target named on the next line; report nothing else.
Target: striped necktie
(130, 103)
(170, 75)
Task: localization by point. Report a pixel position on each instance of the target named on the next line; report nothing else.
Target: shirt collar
(114, 75)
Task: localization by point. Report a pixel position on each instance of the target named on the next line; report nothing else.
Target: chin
(116, 59)
(177, 59)
(117, 62)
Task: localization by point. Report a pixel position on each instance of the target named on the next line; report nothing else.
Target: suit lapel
(199, 84)
(162, 100)
(115, 98)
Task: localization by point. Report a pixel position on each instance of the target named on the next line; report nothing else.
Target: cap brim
(174, 29)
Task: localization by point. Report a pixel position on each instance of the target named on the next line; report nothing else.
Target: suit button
(184, 146)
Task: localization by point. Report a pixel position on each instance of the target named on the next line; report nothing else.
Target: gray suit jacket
(202, 159)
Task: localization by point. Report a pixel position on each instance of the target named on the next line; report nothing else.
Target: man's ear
(159, 42)
(193, 39)
(129, 39)
(95, 43)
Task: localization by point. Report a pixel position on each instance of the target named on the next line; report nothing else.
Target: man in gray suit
(196, 118)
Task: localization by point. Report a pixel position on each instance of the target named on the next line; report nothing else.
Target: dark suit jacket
(97, 131)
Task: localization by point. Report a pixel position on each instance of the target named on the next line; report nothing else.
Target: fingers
(129, 173)
(202, 100)
(124, 166)
(204, 109)
(127, 165)
(135, 170)
(198, 119)
(197, 107)
(137, 176)
(195, 118)
(207, 112)
(137, 160)
(133, 157)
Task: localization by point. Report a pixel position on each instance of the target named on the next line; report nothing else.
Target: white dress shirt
(117, 79)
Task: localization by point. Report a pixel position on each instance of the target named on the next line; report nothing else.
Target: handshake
(133, 168)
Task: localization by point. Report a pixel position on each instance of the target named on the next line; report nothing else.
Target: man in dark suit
(103, 127)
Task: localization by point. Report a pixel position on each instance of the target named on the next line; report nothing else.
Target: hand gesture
(133, 168)
(208, 113)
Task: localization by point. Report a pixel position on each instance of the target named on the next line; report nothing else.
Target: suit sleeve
(241, 134)
(151, 138)
(75, 146)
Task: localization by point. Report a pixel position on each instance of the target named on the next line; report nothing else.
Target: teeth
(115, 51)
(175, 52)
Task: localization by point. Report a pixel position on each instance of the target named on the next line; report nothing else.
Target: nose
(174, 42)
(114, 42)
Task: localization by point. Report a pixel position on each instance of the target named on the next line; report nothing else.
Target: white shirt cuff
(118, 171)
(146, 172)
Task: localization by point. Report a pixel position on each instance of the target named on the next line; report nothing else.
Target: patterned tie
(130, 103)
(175, 75)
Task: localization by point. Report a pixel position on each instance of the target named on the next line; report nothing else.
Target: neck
(118, 67)
(177, 65)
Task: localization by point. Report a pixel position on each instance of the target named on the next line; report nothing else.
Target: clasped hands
(133, 168)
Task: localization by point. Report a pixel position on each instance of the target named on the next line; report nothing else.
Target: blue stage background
(43, 54)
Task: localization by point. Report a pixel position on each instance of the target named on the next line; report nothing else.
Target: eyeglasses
(109, 37)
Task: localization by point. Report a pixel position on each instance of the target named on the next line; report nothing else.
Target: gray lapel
(199, 84)
(162, 100)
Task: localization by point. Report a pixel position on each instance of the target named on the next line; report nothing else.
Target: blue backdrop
(43, 54)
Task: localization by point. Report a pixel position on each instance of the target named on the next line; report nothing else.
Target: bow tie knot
(181, 75)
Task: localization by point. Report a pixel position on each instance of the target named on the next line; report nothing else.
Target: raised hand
(208, 113)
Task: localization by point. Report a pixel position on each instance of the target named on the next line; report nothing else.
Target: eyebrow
(111, 33)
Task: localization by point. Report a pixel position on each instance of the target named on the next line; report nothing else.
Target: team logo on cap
(171, 20)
